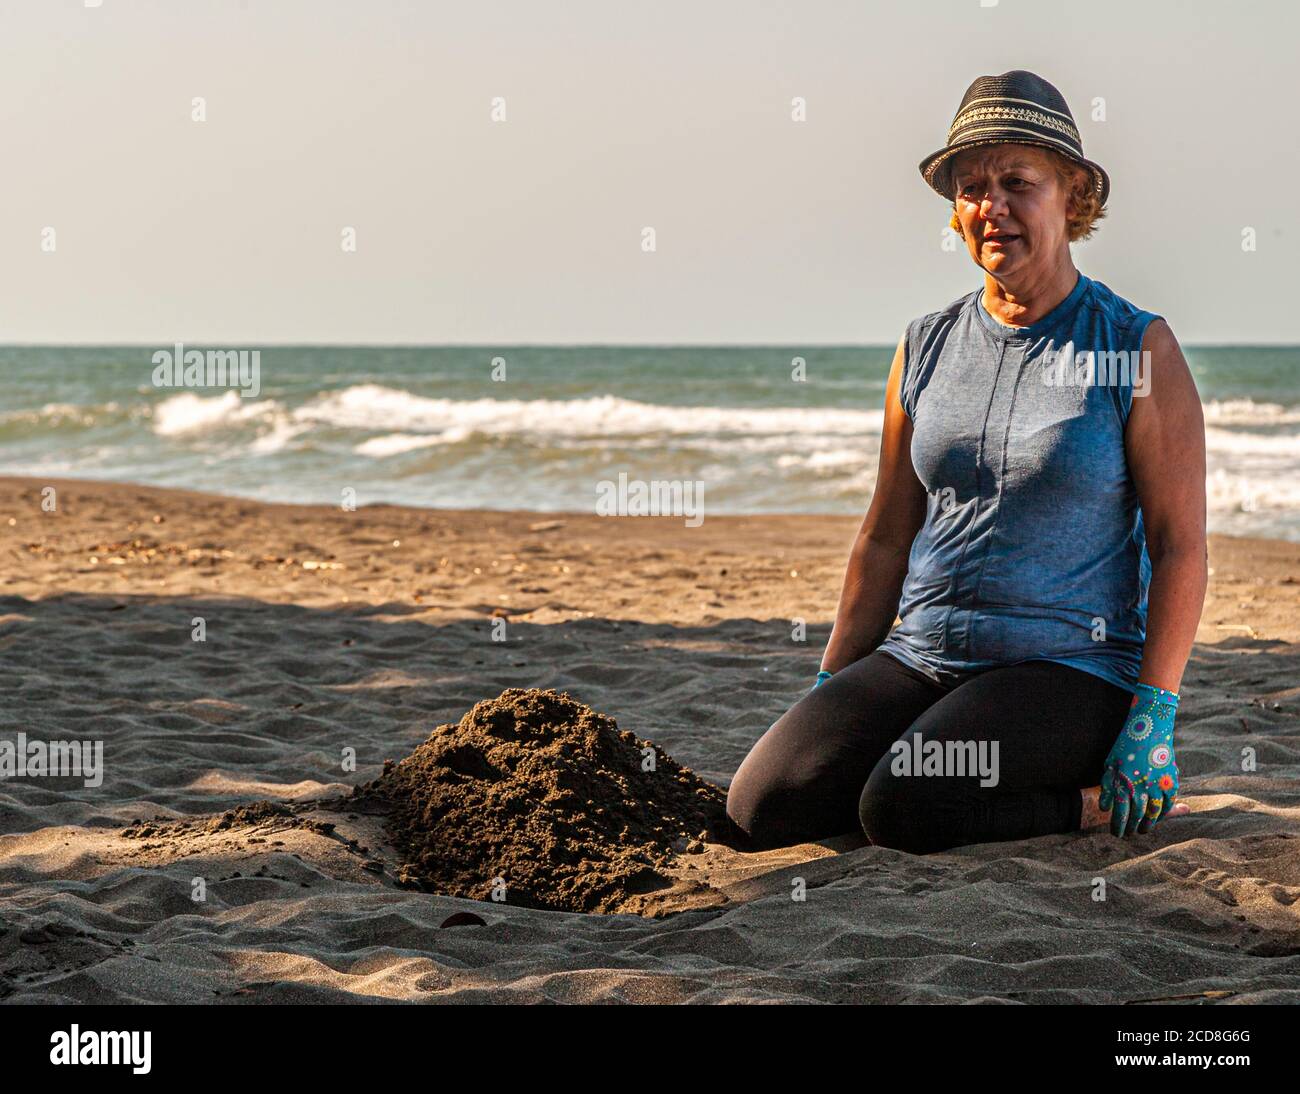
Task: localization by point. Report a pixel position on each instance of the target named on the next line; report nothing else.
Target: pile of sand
(535, 798)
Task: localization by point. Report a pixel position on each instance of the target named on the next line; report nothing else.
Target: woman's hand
(1140, 783)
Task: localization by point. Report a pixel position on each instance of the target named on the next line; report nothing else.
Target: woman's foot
(1093, 816)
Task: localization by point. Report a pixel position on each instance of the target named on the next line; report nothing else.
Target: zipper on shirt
(1002, 467)
(979, 496)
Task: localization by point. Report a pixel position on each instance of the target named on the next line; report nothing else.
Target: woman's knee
(781, 795)
(894, 813)
(763, 798)
(758, 808)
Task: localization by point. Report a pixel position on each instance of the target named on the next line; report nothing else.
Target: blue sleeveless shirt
(1032, 546)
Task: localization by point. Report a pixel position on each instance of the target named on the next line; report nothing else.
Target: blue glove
(1140, 782)
(822, 677)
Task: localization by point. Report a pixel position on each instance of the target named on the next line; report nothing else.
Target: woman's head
(1020, 206)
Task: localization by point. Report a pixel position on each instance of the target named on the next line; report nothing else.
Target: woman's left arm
(1165, 446)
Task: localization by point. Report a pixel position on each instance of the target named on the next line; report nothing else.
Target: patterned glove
(1140, 782)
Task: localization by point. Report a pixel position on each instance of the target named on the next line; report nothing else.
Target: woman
(1038, 526)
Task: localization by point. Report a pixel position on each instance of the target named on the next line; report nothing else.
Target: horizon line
(543, 345)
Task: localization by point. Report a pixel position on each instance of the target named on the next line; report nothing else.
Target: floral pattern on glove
(1140, 782)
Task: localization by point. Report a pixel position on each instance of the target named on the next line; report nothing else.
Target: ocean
(430, 426)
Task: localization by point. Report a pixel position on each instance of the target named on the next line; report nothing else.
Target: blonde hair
(1084, 209)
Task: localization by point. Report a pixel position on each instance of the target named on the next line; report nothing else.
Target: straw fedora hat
(1017, 107)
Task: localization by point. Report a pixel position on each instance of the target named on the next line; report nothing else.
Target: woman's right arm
(873, 578)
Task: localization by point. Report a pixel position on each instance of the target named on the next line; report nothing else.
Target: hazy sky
(376, 115)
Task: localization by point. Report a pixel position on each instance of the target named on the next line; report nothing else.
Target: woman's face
(1012, 209)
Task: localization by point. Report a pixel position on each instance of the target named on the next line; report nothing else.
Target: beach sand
(329, 631)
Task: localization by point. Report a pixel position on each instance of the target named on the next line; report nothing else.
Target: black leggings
(827, 767)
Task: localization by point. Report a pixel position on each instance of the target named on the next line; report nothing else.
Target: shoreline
(790, 560)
